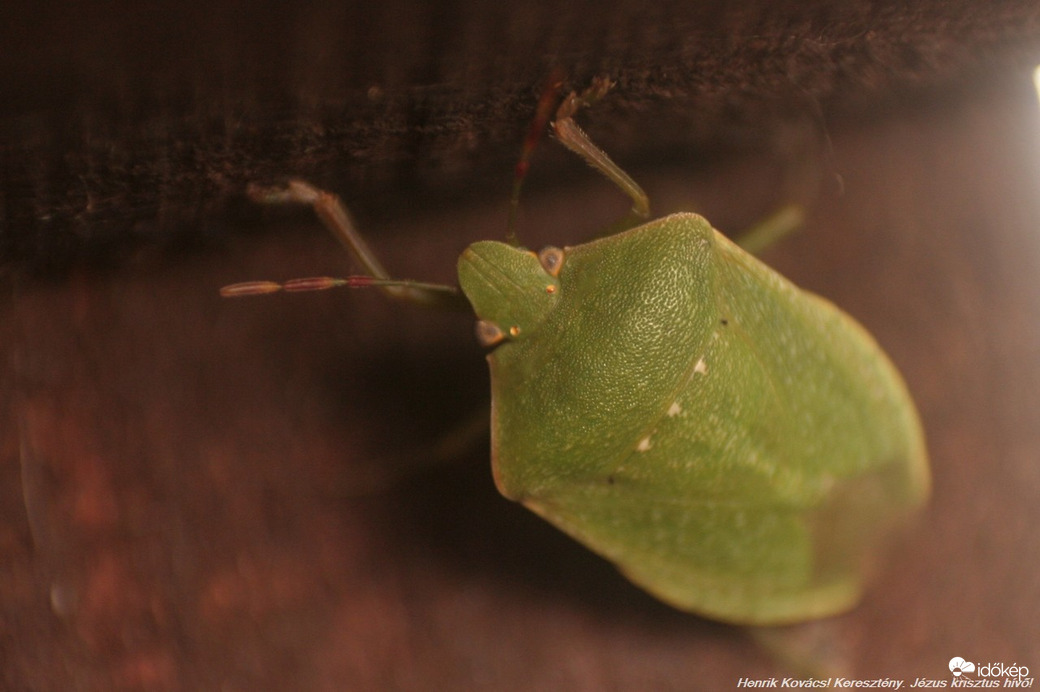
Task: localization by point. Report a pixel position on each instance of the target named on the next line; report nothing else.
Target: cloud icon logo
(958, 666)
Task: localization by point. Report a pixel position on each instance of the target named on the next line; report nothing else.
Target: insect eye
(551, 259)
(489, 334)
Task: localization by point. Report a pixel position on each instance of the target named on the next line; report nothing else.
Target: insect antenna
(543, 112)
(334, 215)
(417, 291)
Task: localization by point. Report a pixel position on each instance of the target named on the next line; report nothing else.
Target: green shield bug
(736, 446)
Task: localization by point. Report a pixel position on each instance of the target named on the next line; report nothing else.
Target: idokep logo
(968, 674)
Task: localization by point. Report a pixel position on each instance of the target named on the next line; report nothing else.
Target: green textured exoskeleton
(736, 446)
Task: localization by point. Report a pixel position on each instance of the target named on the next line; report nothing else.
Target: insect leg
(384, 472)
(332, 213)
(781, 223)
(572, 137)
(337, 219)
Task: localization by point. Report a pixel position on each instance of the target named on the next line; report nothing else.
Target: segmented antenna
(323, 283)
(543, 112)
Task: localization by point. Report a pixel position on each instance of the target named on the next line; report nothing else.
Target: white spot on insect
(644, 444)
(674, 410)
(701, 367)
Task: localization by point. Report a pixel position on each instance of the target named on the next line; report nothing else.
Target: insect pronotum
(736, 446)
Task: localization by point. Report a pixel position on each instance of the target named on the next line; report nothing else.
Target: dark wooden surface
(207, 494)
(131, 128)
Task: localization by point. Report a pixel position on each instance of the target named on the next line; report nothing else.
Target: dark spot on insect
(724, 321)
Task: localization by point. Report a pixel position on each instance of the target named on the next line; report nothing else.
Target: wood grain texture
(126, 128)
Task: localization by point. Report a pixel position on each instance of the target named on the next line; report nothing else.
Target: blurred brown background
(221, 495)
